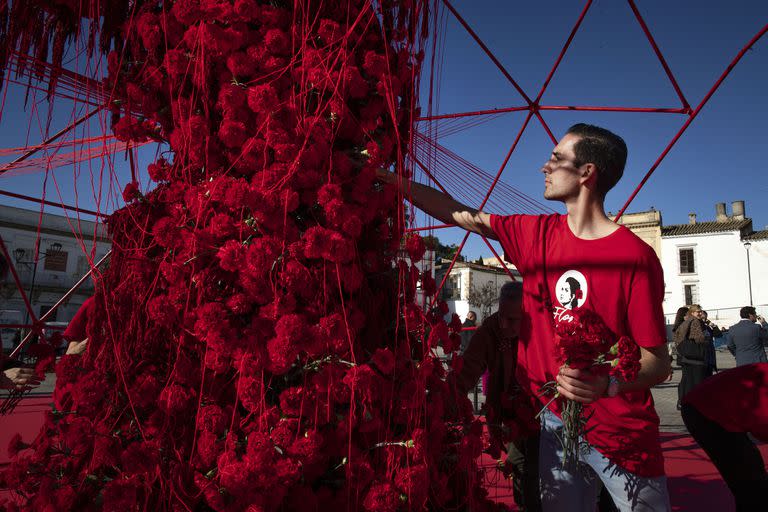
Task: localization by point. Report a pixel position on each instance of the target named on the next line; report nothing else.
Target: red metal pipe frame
(690, 119)
(534, 104)
(428, 228)
(658, 53)
(578, 108)
(470, 114)
(562, 52)
(487, 51)
(37, 323)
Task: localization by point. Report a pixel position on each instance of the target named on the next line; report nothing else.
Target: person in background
(719, 413)
(494, 348)
(682, 313)
(746, 340)
(466, 335)
(695, 369)
(714, 332)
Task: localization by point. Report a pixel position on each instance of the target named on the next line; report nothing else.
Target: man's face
(471, 316)
(561, 174)
(510, 315)
(698, 314)
(752, 317)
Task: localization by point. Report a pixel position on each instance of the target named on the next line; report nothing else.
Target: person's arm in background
(442, 206)
(730, 343)
(763, 332)
(18, 378)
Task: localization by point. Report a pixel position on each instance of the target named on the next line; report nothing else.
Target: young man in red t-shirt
(605, 268)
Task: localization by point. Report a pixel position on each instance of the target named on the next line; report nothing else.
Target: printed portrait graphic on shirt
(571, 289)
(571, 292)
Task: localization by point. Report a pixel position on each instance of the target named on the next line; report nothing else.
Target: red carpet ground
(694, 483)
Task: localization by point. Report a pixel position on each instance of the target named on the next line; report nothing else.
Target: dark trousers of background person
(734, 455)
(523, 461)
(693, 373)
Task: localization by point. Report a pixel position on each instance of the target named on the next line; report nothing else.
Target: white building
(720, 264)
(62, 261)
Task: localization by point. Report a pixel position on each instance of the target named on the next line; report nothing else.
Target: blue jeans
(576, 489)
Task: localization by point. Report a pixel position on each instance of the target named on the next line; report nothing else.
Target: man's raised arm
(442, 206)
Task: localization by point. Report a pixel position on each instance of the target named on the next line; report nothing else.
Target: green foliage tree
(445, 252)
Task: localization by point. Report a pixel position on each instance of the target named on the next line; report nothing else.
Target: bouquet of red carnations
(586, 343)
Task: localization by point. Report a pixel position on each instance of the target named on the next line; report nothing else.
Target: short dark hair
(746, 311)
(512, 290)
(603, 148)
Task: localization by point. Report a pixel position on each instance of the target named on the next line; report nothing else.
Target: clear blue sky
(720, 158)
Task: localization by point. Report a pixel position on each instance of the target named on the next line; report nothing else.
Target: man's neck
(587, 218)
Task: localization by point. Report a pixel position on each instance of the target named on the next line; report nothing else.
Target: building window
(56, 261)
(691, 293)
(687, 264)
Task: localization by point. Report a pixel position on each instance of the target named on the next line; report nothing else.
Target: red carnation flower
(262, 98)
(413, 482)
(384, 360)
(250, 391)
(233, 134)
(327, 244)
(175, 400)
(375, 64)
(140, 457)
(231, 256)
(120, 494)
(277, 42)
(208, 448)
(414, 244)
(159, 171)
(131, 192)
(382, 497)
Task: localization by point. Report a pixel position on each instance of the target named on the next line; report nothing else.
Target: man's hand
(581, 385)
(75, 348)
(18, 378)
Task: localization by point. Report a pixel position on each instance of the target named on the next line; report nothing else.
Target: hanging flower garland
(254, 344)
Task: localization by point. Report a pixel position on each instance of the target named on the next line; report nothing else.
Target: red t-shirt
(736, 399)
(618, 277)
(76, 329)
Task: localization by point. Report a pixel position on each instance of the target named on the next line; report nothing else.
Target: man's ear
(588, 169)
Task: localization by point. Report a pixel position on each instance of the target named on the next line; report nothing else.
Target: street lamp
(18, 254)
(747, 245)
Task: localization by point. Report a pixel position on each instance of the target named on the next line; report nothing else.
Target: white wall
(721, 274)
